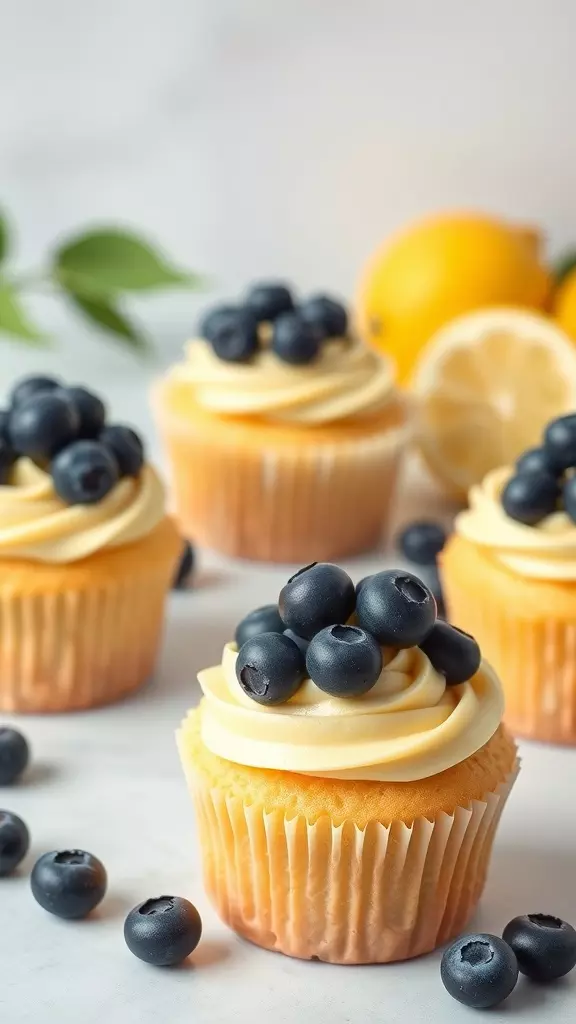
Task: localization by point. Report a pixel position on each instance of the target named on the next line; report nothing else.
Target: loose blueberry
(268, 301)
(29, 386)
(317, 596)
(126, 446)
(163, 931)
(262, 620)
(479, 970)
(396, 608)
(14, 755)
(534, 460)
(7, 459)
(545, 946)
(270, 668)
(560, 442)
(300, 641)
(569, 497)
(68, 883)
(453, 653)
(234, 334)
(90, 408)
(294, 341)
(326, 317)
(43, 425)
(530, 497)
(344, 661)
(422, 542)
(84, 473)
(185, 568)
(14, 842)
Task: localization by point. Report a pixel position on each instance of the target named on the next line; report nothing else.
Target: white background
(256, 138)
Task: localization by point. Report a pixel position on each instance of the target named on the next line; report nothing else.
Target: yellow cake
(353, 830)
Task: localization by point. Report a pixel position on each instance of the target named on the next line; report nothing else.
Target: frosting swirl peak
(409, 726)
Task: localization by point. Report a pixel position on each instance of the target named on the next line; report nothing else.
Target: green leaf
(105, 314)
(564, 265)
(4, 237)
(107, 261)
(13, 318)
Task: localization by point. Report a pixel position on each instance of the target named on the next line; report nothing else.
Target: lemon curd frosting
(411, 725)
(545, 551)
(36, 524)
(346, 380)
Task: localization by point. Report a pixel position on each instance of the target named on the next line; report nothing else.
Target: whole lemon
(439, 268)
(564, 302)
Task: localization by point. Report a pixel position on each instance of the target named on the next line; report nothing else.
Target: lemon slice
(486, 386)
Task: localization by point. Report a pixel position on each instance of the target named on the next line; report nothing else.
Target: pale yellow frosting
(346, 380)
(409, 726)
(36, 524)
(546, 551)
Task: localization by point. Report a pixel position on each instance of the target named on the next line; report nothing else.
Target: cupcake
(348, 778)
(509, 575)
(283, 431)
(87, 552)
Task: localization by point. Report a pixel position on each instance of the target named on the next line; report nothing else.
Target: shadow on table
(528, 880)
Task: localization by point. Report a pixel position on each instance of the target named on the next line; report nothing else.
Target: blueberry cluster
(325, 628)
(298, 330)
(421, 542)
(545, 477)
(71, 883)
(482, 970)
(64, 429)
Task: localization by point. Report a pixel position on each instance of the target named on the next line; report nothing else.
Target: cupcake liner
(535, 659)
(77, 648)
(340, 893)
(297, 501)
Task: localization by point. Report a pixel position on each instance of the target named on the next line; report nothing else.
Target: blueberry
(534, 460)
(479, 970)
(7, 459)
(43, 425)
(270, 668)
(422, 542)
(326, 317)
(300, 641)
(530, 497)
(127, 447)
(431, 577)
(545, 946)
(29, 386)
(84, 473)
(4, 418)
(317, 596)
(560, 442)
(90, 408)
(68, 883)
(262, 620)
(344, 661)
(163, 931)
(14, 842)
(268, 301)
(396, 608)
(453, 653)
(294, 341)
(233, 334)
(569, 497)
(14, 755)
(185, 568)
(360, 584)
(215, 319)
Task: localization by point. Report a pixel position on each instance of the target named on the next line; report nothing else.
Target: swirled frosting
(409, 726)
(346, 380)
(36, 524)
(546, 551)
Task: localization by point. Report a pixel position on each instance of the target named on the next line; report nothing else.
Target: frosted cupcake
(509, 575)
(283, 431)
(348, 782)
(87, 553)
